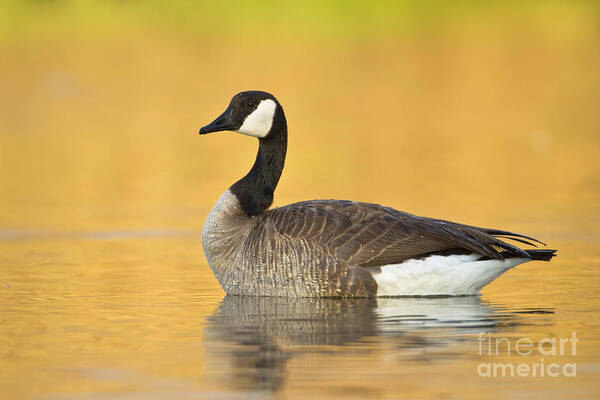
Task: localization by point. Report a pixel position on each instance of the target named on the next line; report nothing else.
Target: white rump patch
(259, 122)
(441, 275)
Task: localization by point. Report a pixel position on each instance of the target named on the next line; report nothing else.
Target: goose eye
(250, 104)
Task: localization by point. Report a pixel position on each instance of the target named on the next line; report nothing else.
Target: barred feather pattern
(330, 247)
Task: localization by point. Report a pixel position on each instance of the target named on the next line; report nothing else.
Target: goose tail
(541, 255)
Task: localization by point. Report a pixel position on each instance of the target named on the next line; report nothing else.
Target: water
(481, 115)
(133, 315)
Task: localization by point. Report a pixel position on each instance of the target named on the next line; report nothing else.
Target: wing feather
(370, 235)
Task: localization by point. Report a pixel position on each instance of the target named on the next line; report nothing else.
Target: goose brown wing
(371, 235)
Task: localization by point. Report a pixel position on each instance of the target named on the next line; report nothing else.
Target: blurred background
(482, 112)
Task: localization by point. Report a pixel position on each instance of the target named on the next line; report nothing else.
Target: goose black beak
(222, 123)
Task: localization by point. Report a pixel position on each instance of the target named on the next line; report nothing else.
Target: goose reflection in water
(249, 340)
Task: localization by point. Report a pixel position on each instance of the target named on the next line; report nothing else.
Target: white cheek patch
(258, 124)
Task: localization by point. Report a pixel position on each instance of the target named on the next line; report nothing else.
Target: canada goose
(331, 248)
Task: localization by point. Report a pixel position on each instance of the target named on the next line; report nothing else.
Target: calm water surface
(134, 315)
(488, 118)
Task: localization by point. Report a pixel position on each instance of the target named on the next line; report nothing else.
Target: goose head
(250, 113)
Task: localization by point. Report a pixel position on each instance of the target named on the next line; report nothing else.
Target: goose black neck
(255, 190)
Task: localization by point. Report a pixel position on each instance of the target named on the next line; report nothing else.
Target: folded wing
(370, 235)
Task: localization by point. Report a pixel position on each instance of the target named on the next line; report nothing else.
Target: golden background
(439, 110)
(480, 112)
